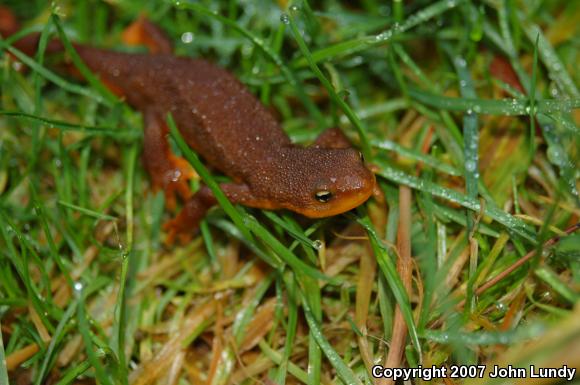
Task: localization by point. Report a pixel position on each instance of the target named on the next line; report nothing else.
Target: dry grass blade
(493, 281)
(405, 268)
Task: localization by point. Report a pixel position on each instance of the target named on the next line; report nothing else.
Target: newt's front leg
(168, 172)
(144, 32)
(332, 138)
(187, 221)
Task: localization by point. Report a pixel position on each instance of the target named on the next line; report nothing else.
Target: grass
(477, 164)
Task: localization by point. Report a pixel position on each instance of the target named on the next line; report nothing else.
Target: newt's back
(216, 114)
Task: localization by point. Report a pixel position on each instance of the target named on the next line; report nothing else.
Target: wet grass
(469, 113)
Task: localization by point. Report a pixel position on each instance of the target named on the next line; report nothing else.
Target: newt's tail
(8, 23)
(141, 32)
(28, 44)
(116, 70)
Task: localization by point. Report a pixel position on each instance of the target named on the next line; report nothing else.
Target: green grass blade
(283, 252)
(485, 337)
(389, 270)
(510, 222)
(417, 156)
(363, 43)
(57, 337)
(66, 126)
(344, 372)
(555, 282)
(555, 67)
(51, 76)
(107, 96)
(330, 89)
(121, 306)
(37, 134)
(3, 369)
(88, 212)
(292, 322)
(295, 233)
(84, 328)
(506, 107)
(202, 171)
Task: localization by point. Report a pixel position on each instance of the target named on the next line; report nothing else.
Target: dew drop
(384, 35)
(284, 18)
(317, 244)
(78, 286)
(470, 166)
(187, 37)
(555, 156)
(294, 8)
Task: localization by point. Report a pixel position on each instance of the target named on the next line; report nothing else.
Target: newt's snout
(355, 190)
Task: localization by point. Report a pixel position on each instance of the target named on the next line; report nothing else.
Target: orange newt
(232, 131)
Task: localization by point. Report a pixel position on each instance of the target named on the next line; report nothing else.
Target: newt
(228, 127)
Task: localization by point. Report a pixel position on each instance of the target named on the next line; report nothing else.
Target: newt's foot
(178, 229)
(174, 182)
(186, 223)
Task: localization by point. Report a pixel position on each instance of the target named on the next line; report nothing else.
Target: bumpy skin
(223, 122)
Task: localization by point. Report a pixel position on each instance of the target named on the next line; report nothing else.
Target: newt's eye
(323, 196)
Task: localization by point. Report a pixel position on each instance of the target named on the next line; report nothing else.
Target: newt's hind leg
(168, 172)
(144, 32)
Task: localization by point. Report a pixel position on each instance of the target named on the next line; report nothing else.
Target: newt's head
(317, 182)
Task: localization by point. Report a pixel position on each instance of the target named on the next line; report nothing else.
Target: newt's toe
(174, 182)
(176, 229)
(173, 189)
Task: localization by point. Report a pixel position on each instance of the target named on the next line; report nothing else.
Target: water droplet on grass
(470, 166)
(187, 37)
